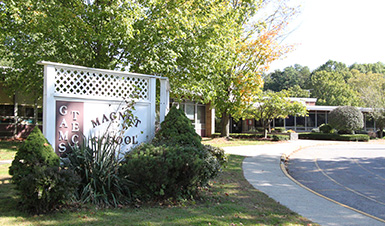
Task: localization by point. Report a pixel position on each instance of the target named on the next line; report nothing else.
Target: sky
(347, 31)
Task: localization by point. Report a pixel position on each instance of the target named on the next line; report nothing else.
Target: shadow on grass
(8, 149)
(9, 203)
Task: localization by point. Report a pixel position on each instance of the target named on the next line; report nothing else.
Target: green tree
(87, 33)
(238, 83)
(177, 130)
(237, 89)
(297, 91)
(289, 77)
(331, 89)
(335, 67)
(208, 49)
(379, 118)
(217, 57)
(185, 41)
(273, 105)
(332, 65)
(371, 88)
(378, 67)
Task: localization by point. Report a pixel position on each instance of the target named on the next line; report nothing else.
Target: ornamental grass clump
(97, 163)
(35, 171)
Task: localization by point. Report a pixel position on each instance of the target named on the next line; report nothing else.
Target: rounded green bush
(174, 165)
(162, 172)
(219, 154)
(326, 128)
(346, 119)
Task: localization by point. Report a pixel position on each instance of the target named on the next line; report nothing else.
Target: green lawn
(8, 149)
(223, 142)
(230, 200)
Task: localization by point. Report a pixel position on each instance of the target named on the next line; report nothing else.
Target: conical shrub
(35, 151)
(41, 183)
(177, 129)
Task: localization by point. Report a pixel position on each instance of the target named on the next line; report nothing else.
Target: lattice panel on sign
(100, 84)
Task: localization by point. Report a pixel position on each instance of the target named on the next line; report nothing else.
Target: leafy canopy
(214, 51)
(296, 75)
(371, 88)
(273, 105)
(87, 33)
(332, 89)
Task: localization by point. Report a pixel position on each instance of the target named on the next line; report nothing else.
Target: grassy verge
(8, 149)
(223, 142)
(230, 200)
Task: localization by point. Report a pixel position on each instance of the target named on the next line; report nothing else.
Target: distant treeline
(333, 83)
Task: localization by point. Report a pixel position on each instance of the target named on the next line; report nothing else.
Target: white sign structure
(91, 102)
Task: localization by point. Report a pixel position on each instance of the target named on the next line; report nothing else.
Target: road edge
(283, 162)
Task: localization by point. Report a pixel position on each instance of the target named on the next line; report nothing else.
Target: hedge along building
(317, 115)
(93, 102)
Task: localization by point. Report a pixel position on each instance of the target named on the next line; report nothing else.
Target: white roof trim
(305, 99)
(331, 108)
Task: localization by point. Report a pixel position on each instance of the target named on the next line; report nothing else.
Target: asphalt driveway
(353, 175)
(262, 168)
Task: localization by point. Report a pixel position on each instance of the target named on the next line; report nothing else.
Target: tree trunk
(15, 115)
(35, 111)
(265, 132)
(225, 124)
(265, 128)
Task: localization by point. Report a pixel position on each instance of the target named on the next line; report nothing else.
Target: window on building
(29, 112)
(279, 122)
(369, 123)
(300, 123)
(201, 114)
(257, 123)
(310, 123)
(190, 112)
(290, 121)
(6, 110)
(6, 114)
(321, 118)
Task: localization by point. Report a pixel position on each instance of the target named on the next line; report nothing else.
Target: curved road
(353, 175)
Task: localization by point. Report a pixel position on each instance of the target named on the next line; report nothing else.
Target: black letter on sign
(95, 124)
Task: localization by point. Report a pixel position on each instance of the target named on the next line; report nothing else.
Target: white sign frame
(54, 73)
